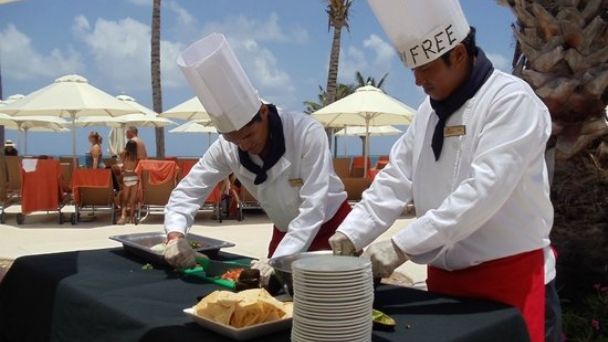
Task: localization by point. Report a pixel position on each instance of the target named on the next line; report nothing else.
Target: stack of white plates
(333, 298)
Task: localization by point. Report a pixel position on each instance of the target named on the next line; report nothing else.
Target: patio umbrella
(27, 124)
(196, 126)
(188, 110)
(372, 131)
(361, 132)
(367, 106)
(145, 117)
(69, 97)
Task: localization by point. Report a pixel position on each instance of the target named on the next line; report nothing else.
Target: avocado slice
(382, 321)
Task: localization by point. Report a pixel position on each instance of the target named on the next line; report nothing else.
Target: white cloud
(183, 16)
(248, 38)
(266, 30)
(21, 61)
(372, 58)
(384, 51)
(500, 62)
(141, 2)
(121, 51)
(351, 61)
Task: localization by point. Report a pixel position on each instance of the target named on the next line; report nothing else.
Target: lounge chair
(41, 188)
(342, 167)
(157, 178)
(92, 191)
(7, 197)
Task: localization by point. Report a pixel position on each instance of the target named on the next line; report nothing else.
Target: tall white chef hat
(421, 30)
(220, 82)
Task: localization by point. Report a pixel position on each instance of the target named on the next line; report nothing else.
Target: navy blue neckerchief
(275, 143)
(482, 69)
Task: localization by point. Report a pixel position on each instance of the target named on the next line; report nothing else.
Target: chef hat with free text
(220, 82)
(421, 30)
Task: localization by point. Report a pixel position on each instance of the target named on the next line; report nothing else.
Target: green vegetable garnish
(147, 267)
(194, 244)
(382, 320)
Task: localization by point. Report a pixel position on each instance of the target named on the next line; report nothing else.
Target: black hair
(469, 45)
(131, 150)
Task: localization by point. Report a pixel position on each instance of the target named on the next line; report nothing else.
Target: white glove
(180, 254)
(385, 257)
(341, 244)
(266, 270)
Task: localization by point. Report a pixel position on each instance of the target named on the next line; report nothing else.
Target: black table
(105, 295)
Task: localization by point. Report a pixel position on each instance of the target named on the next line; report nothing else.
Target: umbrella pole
(74, 160)
(25, 140)
(366, 146)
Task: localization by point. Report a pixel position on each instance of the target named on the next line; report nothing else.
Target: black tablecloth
(105, 295)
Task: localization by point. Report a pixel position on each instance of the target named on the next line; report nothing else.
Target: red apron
(321, 240)
(517, 280)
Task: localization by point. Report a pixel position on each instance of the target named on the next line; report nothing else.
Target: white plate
(241, 334)
(359, 292)
(335, 282)
(308, 334)
(325, 304)
(331, 263)
(336, 317)
(338, 322)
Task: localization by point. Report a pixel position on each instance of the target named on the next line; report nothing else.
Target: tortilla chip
(243, 309)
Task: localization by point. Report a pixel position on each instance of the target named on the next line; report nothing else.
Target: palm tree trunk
(332, 74)
(1, 127)
(155, 76)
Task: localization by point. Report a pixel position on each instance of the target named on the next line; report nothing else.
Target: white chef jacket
(487, 197)
(301, 193)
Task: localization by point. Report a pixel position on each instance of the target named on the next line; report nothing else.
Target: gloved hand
(179, 253)
(265, 270)
(341, 244)
(385, 257)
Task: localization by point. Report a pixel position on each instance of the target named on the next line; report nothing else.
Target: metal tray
(141, 245)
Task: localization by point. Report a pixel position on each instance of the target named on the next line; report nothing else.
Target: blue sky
(283, 46)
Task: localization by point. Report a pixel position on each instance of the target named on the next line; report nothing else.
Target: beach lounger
(13, 166)
(342, 167)
(157, 178)
(41, 188)
(355, 186)
(213, 202)
(92, 191)
(7, 197)
(357, 170)
(247, 200)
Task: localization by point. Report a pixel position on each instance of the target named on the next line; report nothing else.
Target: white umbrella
(27, 124)
(188, 110)
(145, 116)
(70, 97)
(196, 126)
(99, 121)
(361, 132)
(367, 106)
(372, 131)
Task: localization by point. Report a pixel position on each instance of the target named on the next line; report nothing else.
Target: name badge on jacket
(454, 131)
(296, 182)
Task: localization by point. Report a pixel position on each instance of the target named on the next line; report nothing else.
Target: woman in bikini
(130, 182)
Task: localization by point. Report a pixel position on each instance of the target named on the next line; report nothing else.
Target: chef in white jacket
(473, 164)
(282, 159)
